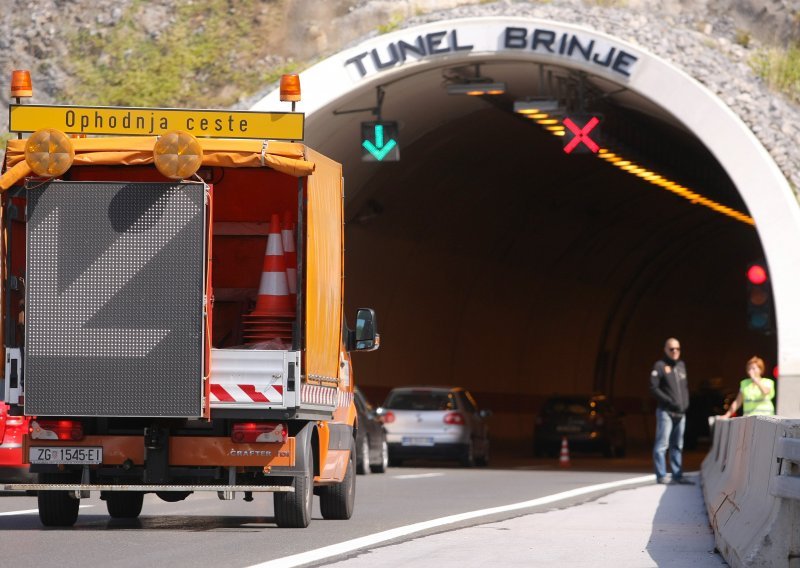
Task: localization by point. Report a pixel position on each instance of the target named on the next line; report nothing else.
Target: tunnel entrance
(499, 263)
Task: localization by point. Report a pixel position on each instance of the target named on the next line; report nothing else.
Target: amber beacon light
(177, 155)
(290, 88)
(49, 153)
(21, 83)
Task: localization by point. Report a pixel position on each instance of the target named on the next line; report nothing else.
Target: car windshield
(567, 406)
(421, 400)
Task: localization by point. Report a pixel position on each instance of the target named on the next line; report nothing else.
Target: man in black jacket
(669, 385)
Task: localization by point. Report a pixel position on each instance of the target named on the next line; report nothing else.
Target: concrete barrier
(751, 485)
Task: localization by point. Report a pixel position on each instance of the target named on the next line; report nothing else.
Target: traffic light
(379, 142)
(759, 298)
(576, 137)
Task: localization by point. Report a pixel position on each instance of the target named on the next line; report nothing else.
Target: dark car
(372, 453)
(435, 422)
(588, 422)
(709, 400)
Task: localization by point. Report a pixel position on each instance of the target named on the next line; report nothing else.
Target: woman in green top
(755, 393)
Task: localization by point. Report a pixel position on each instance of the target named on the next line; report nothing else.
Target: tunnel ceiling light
(535, 106)
(476, 88)
(652, 177)
(674, 187)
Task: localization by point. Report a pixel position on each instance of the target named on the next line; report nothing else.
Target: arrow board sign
(379, 142)
(114, 299)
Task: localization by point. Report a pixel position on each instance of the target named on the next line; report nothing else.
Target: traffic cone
(273, 292)
(563, 459)
(290, 254)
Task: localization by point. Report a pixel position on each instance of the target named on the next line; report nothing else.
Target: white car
(435, 422)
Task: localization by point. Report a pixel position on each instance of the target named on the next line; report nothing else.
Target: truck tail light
(15, 421)
(454, 418)
(56, 430)
(387, 417)
(252, 432)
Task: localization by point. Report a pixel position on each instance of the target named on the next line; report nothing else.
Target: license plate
(568, 428)
(77, 455)
(417, 441)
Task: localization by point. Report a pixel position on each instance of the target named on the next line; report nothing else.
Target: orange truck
(173, 308)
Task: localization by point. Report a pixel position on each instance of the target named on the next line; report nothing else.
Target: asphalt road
(204, 531)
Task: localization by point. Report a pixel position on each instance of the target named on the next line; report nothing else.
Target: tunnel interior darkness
(499, 263)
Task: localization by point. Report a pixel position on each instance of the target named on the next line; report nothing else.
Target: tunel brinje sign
(548, 42)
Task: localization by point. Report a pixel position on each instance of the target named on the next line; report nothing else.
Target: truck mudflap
(80, 487)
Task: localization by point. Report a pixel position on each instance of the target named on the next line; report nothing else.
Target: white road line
(370, 540)
(417, 475)
(29, 511)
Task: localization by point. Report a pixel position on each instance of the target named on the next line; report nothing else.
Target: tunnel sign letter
(576, 136)
(379, 142)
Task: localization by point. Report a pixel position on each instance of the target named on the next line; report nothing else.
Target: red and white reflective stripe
(345, 398)
(246, 393)
(323, 396)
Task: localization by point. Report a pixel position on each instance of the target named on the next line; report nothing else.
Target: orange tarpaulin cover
(285, 157)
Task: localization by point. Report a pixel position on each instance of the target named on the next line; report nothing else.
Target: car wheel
(381, 466)
(363, 466)
(394, 461)
(468, 455)
(483, 461)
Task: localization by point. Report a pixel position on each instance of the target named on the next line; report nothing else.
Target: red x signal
(581, 135)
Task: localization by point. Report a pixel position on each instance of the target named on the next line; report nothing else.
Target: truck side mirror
(366, 333)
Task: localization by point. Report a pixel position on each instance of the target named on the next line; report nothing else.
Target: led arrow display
(379, 142)
(68, 311)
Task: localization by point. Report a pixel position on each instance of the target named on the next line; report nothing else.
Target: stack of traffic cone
(274, 313)
(563, 459)
(290, 254)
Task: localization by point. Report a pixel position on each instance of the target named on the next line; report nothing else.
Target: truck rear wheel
(57, 508)
(337, 501)
(124, 504)
(293, 510)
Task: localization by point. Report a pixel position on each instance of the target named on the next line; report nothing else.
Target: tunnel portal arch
(389, 58)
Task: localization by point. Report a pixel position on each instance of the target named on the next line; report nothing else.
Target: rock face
(712, 40)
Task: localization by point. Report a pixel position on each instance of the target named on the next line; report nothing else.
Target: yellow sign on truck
(173, 315)
(154, 121)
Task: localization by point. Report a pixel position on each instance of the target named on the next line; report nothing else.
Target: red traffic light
(757, 274)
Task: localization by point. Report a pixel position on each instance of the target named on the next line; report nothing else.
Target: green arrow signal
(379, 150)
